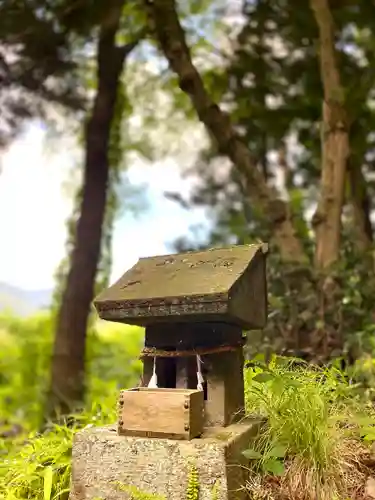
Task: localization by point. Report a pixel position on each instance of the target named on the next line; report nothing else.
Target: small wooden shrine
(194, 307)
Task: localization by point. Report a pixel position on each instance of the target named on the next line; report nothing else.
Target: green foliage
(305, 408)
(367, 429)
(299, 403)
(137, 494)
(113, 360)
(112, 363)
(269, 459)
(215, 491)
(39, 72)
(24, 367)
(192, 491)
(301, 323)
(39, 468)
(362, 372)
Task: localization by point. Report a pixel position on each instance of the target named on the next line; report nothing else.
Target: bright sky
(34, 209)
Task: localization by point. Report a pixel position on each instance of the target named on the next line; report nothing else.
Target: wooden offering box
(161, 413)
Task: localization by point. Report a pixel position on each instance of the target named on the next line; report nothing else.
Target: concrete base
(109, 467)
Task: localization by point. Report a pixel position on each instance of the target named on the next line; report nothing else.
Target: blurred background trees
(287, 157)
(274, 91)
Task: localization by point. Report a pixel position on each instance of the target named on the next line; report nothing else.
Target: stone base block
(110, 467)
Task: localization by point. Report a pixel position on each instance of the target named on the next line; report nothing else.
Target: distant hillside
(23, 302)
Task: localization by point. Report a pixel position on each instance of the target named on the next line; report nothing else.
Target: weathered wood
(185, 336)
(186, 373)
(209, 285)
(249, 295)
(223, 388)
(162, 413)
(225, 402)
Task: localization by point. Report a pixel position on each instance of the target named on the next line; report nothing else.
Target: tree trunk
(361, 209)
(67, 383)
(171, 37)
(335, 145)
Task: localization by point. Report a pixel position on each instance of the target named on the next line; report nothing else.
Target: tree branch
(328, 60)
(335, 144)
(165, 23)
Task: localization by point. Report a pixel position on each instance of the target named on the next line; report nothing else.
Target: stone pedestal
(110, 467)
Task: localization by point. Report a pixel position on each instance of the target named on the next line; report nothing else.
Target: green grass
(38, 468)
(313, 421)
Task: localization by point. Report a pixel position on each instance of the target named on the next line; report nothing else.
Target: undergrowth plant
(136, 494)
(304, 439)
(38, 468)
(192, 492)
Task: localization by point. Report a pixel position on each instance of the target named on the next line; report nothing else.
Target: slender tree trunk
(361, 209)
(67, 381)
(171, 37)
(335, 144)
